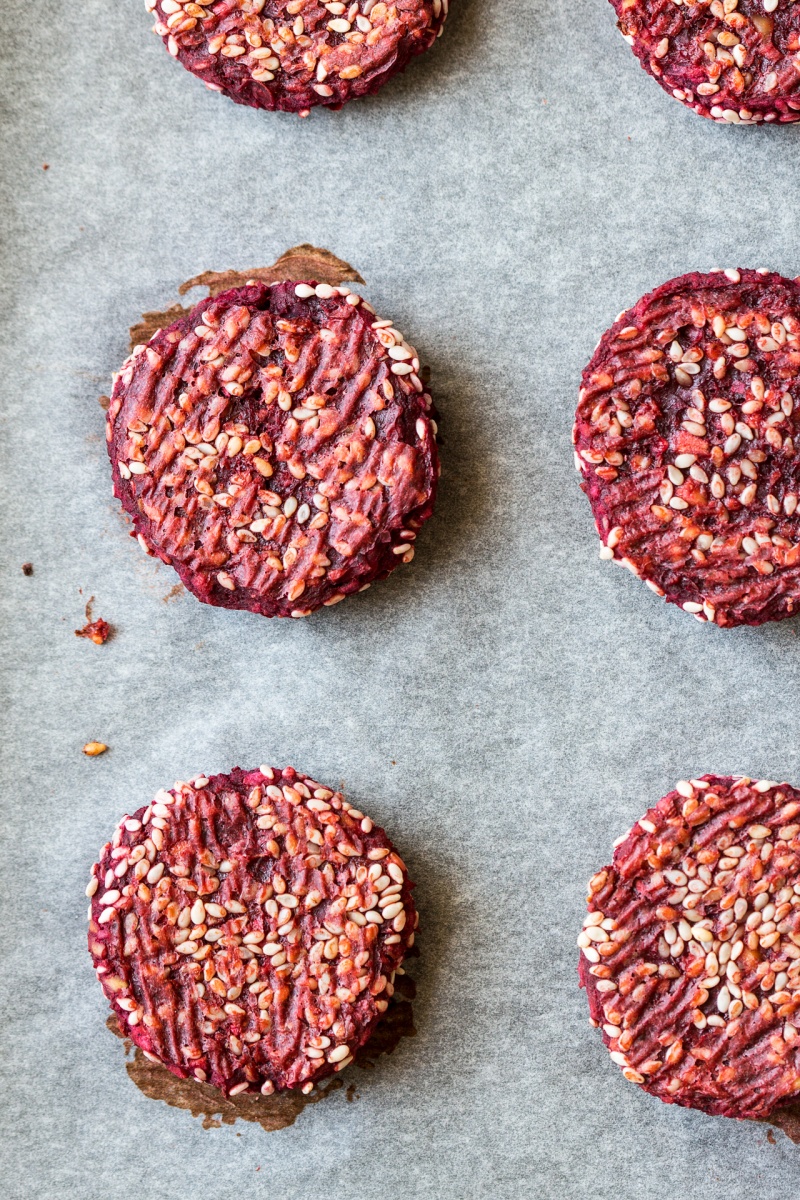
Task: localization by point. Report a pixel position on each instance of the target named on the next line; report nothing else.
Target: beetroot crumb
(27, 568)
(95, 631)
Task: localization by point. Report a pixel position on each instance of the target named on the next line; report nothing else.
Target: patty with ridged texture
(735, 61)
(690, 951)
(687, 436)
(295, 54)
(246, 929)
(276, 446)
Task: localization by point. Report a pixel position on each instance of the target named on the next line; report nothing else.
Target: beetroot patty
(685, 434)
(736, 62)
(690, 954)
(294, 54)
(276, 447)
(246, 929)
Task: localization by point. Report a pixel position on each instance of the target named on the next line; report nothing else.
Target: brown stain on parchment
(299, 264)
(151, 322)
(788, 1121)
(270, 1112)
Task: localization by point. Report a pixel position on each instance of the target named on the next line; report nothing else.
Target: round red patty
(740, 66)
(686, 435)
(294, 54)
(276, 447)
(690, 954)
(246, 929)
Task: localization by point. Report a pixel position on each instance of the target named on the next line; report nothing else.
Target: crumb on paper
(95, 631)
(27, 568)
(92, 749)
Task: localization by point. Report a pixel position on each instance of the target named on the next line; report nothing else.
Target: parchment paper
(506, 706)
